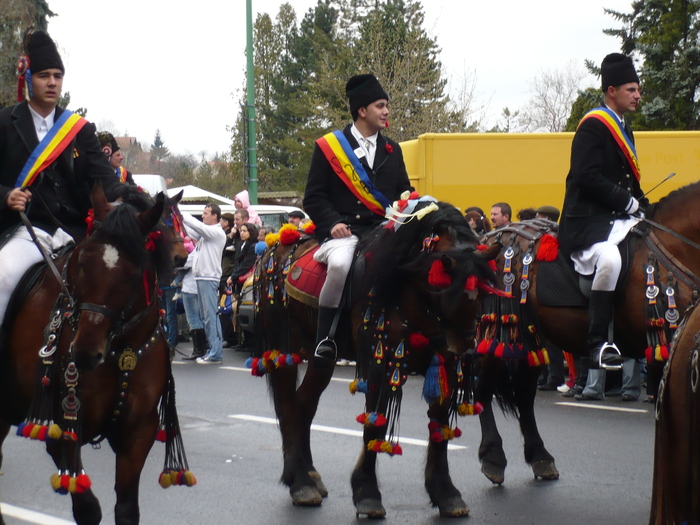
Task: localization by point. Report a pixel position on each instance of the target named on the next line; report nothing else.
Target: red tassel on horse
(548, 248)
(437, 276)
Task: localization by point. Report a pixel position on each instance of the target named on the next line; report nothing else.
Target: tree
(552, 92)
(588, 99)
(64, 102)
(665, 34)
(158, 149)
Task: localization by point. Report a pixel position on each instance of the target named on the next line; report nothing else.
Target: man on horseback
(602, 194)
(49, 160)
(354, 176)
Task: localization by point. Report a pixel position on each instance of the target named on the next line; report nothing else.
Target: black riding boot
(326, 349)
(600, 312)
(199, 345)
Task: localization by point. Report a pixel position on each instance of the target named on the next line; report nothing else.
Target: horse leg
(365, 487)
(4, 430)
(295, 474)
(86, 506)
(536, 455)
(491, 454)
(443, 494)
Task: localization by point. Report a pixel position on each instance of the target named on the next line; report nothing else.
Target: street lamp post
(250, 74)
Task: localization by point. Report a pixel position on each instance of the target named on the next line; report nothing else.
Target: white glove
(632, 206)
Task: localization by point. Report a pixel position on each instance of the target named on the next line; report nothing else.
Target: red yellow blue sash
(612, 122)
(52, 145)
(348, 167)
(121, 171)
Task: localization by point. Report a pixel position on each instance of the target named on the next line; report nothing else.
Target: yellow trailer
(529, 169)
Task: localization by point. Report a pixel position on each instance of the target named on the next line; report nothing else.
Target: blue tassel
(249, 363)
(20, 428)
(362, 386)
(431, 385)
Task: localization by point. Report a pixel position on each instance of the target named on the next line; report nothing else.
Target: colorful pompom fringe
(67, 484)
(467, 409)
(371, 419)
(358, 385)
(270, 360)
(41, 432)
(175, 477)
(439, 433)
(376, 445)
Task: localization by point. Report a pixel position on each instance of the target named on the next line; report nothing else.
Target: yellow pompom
(386, 447)
(55, 481)
(448, 433)
(34, 432)
(71, 485)
(55, 431)
(271, 239)
(370, 445)
(164, 480)
(190, 480)
(173, 477)
(353, 386)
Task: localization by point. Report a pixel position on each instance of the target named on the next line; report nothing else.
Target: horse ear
(99, 201)
(177, 198)
(148, 219)
(447, 262)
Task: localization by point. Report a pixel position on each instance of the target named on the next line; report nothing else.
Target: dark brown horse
(101, 366)
(663, 270)
(675, 496)
(411, 291)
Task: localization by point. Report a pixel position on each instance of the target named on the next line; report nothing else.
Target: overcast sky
(143, 65)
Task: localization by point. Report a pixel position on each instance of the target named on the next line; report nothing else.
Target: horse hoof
(322, 490)
(453, 508)
(545, 469)
(495, 473)
(307, 497)
(372, 508)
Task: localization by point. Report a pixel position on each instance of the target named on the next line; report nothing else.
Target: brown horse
(102, 366)
(663, 269)
(677, 449)
(407, 313)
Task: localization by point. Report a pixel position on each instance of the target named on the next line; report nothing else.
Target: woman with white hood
(242, 200)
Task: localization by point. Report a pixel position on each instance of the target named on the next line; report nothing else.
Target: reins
(671, 232)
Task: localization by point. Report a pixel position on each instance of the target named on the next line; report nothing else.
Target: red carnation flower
(388, 147)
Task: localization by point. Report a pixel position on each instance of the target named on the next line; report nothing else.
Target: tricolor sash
(612, 122)
(121, 172)
(348, 167)
(52, 145)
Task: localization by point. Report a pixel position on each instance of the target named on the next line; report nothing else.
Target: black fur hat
(107, 139)
(617, 69)
(362, 90)
(42, 52)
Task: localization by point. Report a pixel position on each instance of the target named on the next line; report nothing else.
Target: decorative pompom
(164, 480)
(483, 347)
(397, 450)
(189, 478)
(289, 234)
(249, 362)
(174, 477)
(664, 352)
(82, 483)
(362, 418)
(548, 248)
(272, 238)
(161, 436)
(65, 483)
(418, 341)
(20, 429)
(431, 385)
(56, 481)
(648, 353)
(437, 276)
(471, 283)
(71, 485)
(310, 228)
(34, 434)
(43, 431)
(55, 431)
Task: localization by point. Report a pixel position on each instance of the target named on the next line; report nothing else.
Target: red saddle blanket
(305, 279)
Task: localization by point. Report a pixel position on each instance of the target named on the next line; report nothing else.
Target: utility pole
(250, 74)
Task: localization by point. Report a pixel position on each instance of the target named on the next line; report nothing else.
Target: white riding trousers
(337, 254)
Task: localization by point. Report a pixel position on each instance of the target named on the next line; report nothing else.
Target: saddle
(305, 278)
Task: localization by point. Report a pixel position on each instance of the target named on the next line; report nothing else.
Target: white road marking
(239, 369)
(32, 516)
(602, 407)
(336, 430)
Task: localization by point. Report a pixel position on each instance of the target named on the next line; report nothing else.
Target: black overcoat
(328, 201)
(64, 186)
(598, 187)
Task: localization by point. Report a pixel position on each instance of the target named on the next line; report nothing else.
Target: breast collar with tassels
(683, 274)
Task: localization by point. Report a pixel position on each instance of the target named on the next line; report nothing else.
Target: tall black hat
(362, 90)
(617, 69)
(107, 140)
(42, 52)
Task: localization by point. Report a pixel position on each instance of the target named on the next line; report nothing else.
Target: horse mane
(122, 228)
(399, 254)
(671, 208)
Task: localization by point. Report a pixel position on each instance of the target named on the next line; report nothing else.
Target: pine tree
(158, 149)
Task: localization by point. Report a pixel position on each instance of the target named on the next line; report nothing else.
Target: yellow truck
(529, 169)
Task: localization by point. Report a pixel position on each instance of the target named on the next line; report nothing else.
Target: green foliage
(587, 100)
(666, 36)
(301, 68)
(64, 102)
(158, 149)
(16, 16)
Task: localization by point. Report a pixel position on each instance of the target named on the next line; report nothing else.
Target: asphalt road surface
(603, 450)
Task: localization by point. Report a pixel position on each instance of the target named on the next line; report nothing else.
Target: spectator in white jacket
(211, 239)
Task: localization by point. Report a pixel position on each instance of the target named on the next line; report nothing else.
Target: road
(603, 451)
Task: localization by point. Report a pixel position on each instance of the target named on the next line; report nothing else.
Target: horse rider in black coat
(603, 194)
(355, 175)
(55, 192)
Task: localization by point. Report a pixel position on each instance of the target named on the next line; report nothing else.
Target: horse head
(439, 270)
(112, 274)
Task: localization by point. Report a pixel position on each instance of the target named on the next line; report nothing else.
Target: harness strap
(675, 234)
(684, 274)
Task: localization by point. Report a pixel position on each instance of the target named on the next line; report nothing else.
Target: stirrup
(325, 353)
(612, 354)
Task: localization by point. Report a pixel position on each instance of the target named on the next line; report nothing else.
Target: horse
(412, 307)
(676, 484)
(101, 368)
(661, 281)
